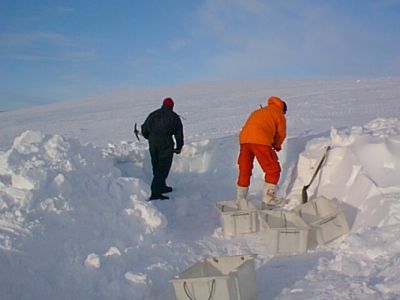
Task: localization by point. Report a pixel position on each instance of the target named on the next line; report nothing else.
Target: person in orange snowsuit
(261, 137)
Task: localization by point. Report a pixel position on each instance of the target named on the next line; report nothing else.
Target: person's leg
(245, 162)
(268, 160)
(155, 183)
(166, 155)
(161, 160)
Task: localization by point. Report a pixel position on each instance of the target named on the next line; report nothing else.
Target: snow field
(75, 223)
(75, 220)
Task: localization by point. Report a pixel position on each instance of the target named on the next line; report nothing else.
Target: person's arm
(179, 136)
(146, 128)
(280, 134)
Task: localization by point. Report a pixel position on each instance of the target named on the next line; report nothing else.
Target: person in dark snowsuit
(159, 129)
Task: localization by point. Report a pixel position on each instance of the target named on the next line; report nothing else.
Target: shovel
(304, 197)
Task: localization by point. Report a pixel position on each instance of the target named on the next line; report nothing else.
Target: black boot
(166, 189)
(158, 197)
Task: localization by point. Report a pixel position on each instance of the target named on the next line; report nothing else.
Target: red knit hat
(168, 102)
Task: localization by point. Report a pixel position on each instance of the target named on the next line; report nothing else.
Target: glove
(177, 151)
(276, 148)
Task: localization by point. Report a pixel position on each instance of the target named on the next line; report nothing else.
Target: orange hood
(276, 101)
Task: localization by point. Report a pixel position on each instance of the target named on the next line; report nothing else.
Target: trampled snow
(75, 223)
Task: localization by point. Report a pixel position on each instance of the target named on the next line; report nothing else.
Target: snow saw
(136, 132)
(304, 197)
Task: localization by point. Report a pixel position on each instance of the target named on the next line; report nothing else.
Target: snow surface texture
(75, 223)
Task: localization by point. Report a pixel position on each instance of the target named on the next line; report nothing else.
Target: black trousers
(161, 160)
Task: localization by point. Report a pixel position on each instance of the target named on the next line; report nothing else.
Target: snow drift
(66, 210)
(75, 223)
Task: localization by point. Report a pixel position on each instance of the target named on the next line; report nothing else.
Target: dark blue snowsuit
(159, 129)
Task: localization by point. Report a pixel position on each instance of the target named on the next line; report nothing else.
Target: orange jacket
(266, 126)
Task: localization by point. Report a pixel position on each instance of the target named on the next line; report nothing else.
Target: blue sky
(64, 50)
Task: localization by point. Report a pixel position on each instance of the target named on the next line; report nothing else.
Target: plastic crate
(236, 221)
(285, 231)
(326, 219)
(218, 278)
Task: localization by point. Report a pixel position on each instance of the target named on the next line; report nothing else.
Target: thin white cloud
(70, 56)
(290, 37)
(42, 46)
(179, 44)
(63, 9)
(33, 38)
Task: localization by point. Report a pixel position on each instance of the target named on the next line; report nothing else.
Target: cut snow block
(326, 219)
(222, 278)
(285, 231)
(236, 221)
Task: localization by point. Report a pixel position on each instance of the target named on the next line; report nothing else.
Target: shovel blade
(304, 197)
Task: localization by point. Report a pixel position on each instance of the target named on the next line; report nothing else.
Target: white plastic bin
(236, 221)
(285, 231)
(326, 219)
(218, 278)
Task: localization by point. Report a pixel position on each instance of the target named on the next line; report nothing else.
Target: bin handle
(240, 214)
(211, 292)
(314, 204)
(283, 216)
(332, 218)
(288, 230)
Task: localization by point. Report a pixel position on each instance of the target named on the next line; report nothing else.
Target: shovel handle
(304, 196)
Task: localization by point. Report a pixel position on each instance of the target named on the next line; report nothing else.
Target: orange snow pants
(266, 157)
